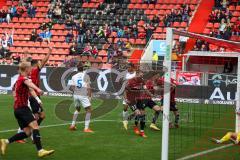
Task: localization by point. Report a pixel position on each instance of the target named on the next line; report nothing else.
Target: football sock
(37, 139)
(18, 136)
(142, 122)
(176, 119)
(226, 137)
(87, 120)
(125, 115)
(155, 117)
(75, 115)
(136, 120)
(39, 121)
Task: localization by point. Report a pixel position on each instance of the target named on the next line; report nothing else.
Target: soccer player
(173, 107)
(35, 77)
(131, 73)
(23, 113)
(138, 98)
(37, 109)
(232, 136)
(80, 85)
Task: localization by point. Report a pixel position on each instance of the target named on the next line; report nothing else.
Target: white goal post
(167, 79)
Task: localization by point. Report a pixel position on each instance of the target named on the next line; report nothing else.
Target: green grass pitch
(198, 123)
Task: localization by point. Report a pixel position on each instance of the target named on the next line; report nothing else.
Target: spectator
(69, 22)
(134, 31)
(222, 26)
(87, 49)
(128, 46)
(155, 21)
(81, 33)
(69, 36)
(131, 22)
(8, 17)
(120, 33)
(107, 31)
(101, 34)
(31, 11)
(2, 16)
(236, 27)
(88, 36)
(73, 49)
(48, 35)
(10, 37)
(50, 12)
(149, 31)
(16, 59)
(13, 11)
(57, 12)
(34, 36)
(94, 52)
(110, 53)
(182, 42)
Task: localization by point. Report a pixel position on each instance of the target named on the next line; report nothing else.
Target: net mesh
(207, 109)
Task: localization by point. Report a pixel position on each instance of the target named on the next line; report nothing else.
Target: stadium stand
(126, 23)
(224, 23)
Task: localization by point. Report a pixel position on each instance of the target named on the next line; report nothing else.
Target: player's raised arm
(32, 86)
(45, 59)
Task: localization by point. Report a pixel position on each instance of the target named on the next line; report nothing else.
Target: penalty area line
(57, 125)
(205, 152)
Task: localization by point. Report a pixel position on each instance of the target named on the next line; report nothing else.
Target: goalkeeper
(230, 136)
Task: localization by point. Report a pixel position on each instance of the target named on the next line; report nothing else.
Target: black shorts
(142, 104)
(133, 107)
(173, 106)
(24, 116)
(36, 107)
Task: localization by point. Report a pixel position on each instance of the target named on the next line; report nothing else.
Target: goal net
(207, 97)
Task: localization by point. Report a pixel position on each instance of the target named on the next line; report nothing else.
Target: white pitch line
(57, 125)
(205, 152)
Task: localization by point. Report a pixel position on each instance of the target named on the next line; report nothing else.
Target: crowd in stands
(221, 14)
(177, 15)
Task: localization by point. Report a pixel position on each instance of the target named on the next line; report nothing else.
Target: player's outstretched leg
(142, 119)
(75, 115)
(176, 122)
(23, 140)
(16, 137)
(87, 120)
(37, 139)
(157, 110)
(125, 116)
(225, 138)
(136, 130)
(154, 120)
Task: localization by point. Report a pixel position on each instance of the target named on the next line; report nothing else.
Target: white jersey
(130, 75)
(81, 82)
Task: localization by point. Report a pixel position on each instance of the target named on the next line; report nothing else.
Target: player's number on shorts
(79, 83)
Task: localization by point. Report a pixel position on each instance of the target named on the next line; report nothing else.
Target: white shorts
(81, 100)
